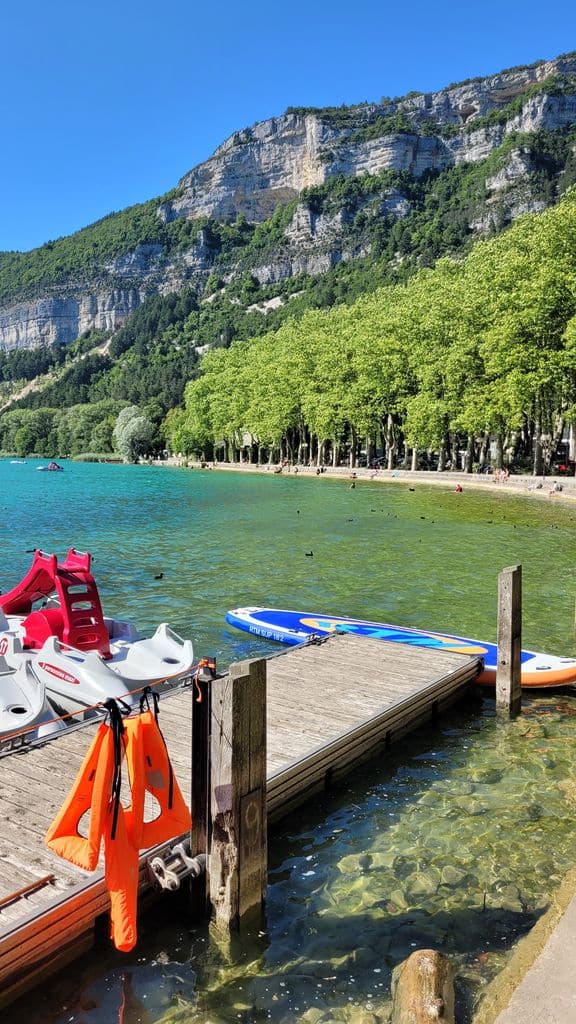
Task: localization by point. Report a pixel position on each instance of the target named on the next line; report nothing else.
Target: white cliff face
(517, 168)
(286, 155)
(550, 112)
(48, 320)
(413, 153)
(143, 261)
(462, 103)
(257, 169)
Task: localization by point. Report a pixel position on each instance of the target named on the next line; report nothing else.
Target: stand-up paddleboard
(289, 627)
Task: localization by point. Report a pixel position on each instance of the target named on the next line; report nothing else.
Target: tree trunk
(538, 464)
(483, 452)
(353, 447)
(442, 456)
(390, 442)
(414, 464)
(453, 441)
(469, 457)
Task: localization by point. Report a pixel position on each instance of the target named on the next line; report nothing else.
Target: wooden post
(200, 796)
(423, 989)
(238, 855)
(508, 684)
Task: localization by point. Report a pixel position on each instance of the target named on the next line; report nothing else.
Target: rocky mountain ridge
(277, 159)
(291, 163)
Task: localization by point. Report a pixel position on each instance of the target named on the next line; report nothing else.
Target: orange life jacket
(124, 831)
(91, 792)
(150, 771)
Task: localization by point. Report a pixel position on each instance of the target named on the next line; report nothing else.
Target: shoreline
(524, 486)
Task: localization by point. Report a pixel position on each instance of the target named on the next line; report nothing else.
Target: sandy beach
(552, 487)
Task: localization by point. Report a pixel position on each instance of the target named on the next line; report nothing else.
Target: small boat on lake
(80, 656)
(292, 627)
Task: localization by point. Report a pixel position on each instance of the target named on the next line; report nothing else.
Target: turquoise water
(427, 558)
(455, 840)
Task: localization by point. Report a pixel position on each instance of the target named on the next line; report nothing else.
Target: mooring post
(423, 989)
(508, 682)
(200, 795)
(237, 864)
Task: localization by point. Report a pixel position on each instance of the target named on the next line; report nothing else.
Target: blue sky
(104, 105)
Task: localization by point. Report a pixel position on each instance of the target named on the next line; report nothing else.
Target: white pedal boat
(79, 655)
(78, 680)
(25, 711)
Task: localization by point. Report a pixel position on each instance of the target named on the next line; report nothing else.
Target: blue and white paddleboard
(290, 627)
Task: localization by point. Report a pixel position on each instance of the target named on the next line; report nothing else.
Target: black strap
(148, 693)
(115, 713)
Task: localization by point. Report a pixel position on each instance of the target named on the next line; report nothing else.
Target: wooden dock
(329, 705)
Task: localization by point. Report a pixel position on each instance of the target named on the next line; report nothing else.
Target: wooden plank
(508, 668)
(44, 967)
(238, 782)
(253, 823)
(408, 705)
(201, 831)
(77, 908)
(339, 756)
(26, 890)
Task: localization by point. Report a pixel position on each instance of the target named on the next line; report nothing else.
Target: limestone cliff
(271, 164)
(257, 168)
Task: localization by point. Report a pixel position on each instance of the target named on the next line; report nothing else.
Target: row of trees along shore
(474, 351)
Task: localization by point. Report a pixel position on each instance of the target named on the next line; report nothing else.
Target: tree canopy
(477, 348)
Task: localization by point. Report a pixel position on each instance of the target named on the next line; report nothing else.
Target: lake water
(456, 840)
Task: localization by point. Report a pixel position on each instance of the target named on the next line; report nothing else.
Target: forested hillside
(399, 186)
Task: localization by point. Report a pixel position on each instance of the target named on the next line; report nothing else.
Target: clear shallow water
(455, 841)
